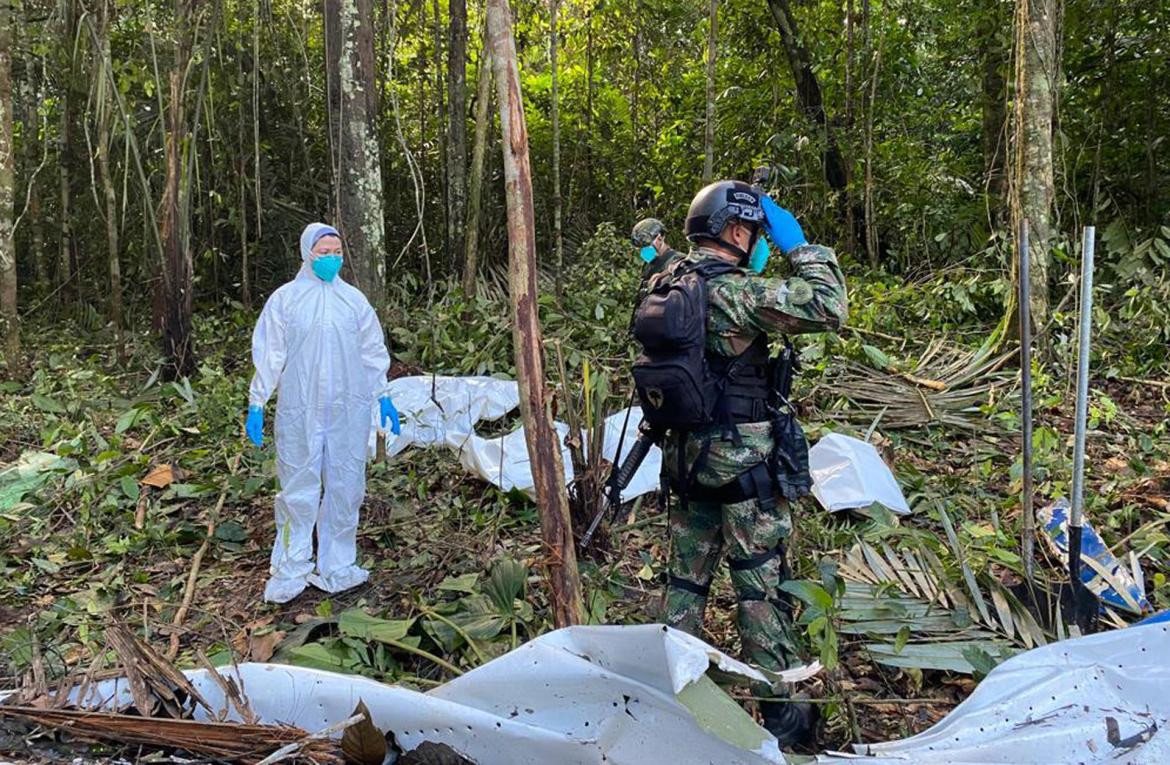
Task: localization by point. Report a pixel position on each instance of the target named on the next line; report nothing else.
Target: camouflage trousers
(753, 538)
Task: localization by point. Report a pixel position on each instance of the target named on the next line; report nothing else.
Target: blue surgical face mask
(327, 267)
(648, 253)
(759, 256)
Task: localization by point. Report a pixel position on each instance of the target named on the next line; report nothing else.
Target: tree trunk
(457, 130)
(105, 127)
(544, 449)
(440, 99)
(32, 148)
(709, 133)
(65, 153)
(483, 123)
(1034, 186)
(177, 267)
(850, 49)
(875, 52)
(558, 231)
(9, 319)
(993, 106)
(353, 110)
(587, 197)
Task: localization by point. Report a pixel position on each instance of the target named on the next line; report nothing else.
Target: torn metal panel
(586, 695)
(1096, 699)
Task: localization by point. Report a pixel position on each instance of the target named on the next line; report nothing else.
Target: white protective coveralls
(321, 345)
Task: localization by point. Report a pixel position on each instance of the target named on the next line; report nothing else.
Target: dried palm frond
(947, 385)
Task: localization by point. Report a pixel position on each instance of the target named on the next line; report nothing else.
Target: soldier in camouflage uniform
(745, 310)
(649, 236)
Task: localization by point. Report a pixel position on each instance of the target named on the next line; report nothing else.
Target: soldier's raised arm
(811, 299)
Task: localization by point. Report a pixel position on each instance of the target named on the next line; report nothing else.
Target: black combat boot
(793, 723)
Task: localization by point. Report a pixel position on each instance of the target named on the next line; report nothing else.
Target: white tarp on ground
(588, 695)
(438, 410)
(1096, 699)
(848, 473)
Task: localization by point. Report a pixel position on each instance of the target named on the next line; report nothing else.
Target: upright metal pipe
(1086, 322)
(1028, 541)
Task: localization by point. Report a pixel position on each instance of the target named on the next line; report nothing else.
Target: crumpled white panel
(1096, 699)
(587, 695)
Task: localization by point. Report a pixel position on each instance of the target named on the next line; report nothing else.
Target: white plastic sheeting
(438, 410)
(848, 473)
(1096, 699)
(585, 695)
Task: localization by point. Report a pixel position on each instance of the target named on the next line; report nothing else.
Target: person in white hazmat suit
(319, 346)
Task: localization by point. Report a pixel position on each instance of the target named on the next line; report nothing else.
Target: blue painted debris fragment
(1101, 572)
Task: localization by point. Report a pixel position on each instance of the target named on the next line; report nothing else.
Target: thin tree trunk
(993, 106)
(441, 100)
(353, 110)
(256, 196)
(32, 146)
(242, 182)
(483, 122)
(850, 50)
(105, 128)
(558, 232)
(9, 319)
(65, 153)
(457, 130)
(178, 268)
(587, 197)
(709, 133)
(871, 240)
(544, 449)
(1033, 189)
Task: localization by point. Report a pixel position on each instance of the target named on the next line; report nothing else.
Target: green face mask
(327, 267)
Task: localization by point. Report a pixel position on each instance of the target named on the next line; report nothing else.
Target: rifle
(621, 475)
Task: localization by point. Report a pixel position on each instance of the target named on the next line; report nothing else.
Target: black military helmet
(718, 203)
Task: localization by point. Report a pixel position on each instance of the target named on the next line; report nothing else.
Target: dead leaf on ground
(160, 478)
(362, 743)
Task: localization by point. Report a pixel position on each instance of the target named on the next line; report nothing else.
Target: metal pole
(1086, 322)
(1028, 541)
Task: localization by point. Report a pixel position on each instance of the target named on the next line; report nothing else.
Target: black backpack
(675, 384)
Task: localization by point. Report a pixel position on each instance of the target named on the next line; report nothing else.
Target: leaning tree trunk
(174, 228)
(457, 130)
(9, 320)
(353, 109)
(810, 101)
(483, 123)
(709, 132)
(1034, 187)
(544, 448)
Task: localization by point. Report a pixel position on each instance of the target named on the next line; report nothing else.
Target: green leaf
(876, 357)
(130, 487)
(902, 637)
(505, 583)
(231, 531)
(127, 420)
(465, 583)
(334, 658)
(355, 622)
(46, 404)
(810, 593)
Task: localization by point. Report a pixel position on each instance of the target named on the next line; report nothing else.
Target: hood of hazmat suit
(318, 345)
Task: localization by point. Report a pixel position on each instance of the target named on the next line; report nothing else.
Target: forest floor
(89, 541)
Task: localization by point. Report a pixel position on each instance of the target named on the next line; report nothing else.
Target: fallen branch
(196, 563)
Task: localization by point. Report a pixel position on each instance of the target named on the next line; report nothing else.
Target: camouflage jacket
(742, 306)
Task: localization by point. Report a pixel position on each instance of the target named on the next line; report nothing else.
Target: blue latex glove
(254, 426)
(781, 225)
(389, 413)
